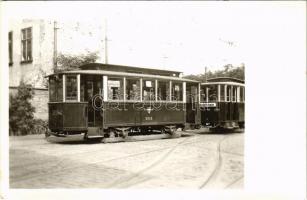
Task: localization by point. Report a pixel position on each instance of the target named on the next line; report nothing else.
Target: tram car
(222, 103)
(108, 101)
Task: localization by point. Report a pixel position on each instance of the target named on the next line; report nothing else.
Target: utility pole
(105, 44)
(55, 54)
(205, 74)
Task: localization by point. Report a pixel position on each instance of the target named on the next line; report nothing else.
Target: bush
(21, 112)
(40, 127)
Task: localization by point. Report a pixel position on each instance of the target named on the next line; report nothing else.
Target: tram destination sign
(208, 104)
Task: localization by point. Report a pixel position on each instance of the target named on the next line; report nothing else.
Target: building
(33, 48)
(30, 58)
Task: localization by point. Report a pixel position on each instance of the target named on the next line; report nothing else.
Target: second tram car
(107, 101)
(222, 103)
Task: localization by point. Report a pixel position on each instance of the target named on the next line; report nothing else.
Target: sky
(183, 36)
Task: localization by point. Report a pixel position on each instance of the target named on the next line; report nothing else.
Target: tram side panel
(225, 115)
(241, 115)
(66, 116)
(136, 114)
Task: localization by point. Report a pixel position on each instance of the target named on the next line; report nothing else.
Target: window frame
(180, 83)
(57, 84)
(24, 41)
(154, 89)
(228, 97)
(126, 79)
(10, 42)
(77, 92)
(122, 88)
(167, 90)
(234, 97)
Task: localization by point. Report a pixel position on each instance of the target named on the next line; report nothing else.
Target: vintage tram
(222, 103)
(109, 101)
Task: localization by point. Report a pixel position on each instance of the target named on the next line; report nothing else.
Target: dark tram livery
(108, 101)
(222, 103)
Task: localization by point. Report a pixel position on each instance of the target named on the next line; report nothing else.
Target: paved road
(197, 160)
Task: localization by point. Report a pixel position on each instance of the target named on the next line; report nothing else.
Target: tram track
(80, 154)
(83, 164)
(126, 182)
(217, 167)
(234, 182)
(129, 181)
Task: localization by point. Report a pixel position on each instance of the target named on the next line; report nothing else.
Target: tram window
(71, 87)
(228, 91)
(163, 90)
(213, 92)
(82, 86)
(115, 89)
(55, 89)
(222, 92)
(52, 89)
(176, 91)
(133, 89)
(148, 90)
(203, 94)
(90, 89)
(234, 93)
(242, 94)
(59, 85)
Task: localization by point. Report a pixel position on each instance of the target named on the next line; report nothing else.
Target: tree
(21, 111)
(72, 62)
(228, 71)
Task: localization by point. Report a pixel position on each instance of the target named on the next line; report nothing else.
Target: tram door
(93, 95)
(192, 104)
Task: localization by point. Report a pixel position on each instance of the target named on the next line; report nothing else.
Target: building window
(10, 48)
(26, 45)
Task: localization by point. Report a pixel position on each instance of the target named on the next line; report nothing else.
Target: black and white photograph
(149, 96)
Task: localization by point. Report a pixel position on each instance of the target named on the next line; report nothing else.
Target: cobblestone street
(198, 159)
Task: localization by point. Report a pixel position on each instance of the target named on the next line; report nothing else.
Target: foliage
(71, 62)
(228, 71)
(21, 119)
(40, 127)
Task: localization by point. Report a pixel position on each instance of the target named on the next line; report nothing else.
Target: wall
(39, 101)
(42, 53)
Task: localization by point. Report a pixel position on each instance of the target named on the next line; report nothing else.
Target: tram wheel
(162, 130)
(85, 138)
(111, 134)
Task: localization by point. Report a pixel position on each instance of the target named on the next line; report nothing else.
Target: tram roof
(126, 74)
(223, 83)
(225, 79)
(129, 69)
